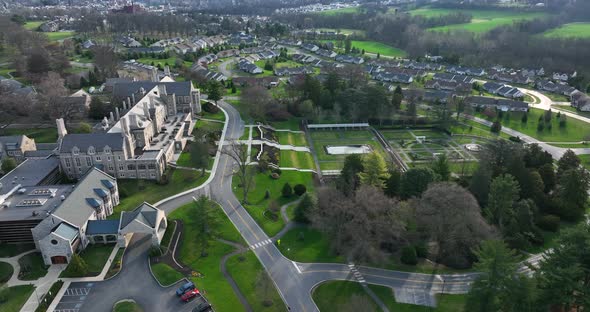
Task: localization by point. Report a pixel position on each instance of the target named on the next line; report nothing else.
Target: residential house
(257, 81)
(500, 104)
(457, 87)
(208, 74)
(326, 53)
(207, 59)
(289, 71)
(228, 53)
(349, 59)
(249, 67)
(430, 96)
(581, 101)
(310, 47)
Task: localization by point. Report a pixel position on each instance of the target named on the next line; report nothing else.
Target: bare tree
(106, 60)
(258, 100)
(451, 218)
(239, 153)
(52, 90)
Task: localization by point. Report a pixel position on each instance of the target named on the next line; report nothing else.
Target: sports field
(481, 21)
(33, 25)
(572, 30)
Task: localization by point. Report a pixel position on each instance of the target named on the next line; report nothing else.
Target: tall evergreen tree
(374, 170)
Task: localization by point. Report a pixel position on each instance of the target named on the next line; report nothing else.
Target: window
(75, 151)
(91, 150)
(107, 150)
(108, 158)
(153, 175)
(68, 163)
(152, 166)
(53, 242)
(130, 167)
(89, 161)
(78, 162)
(119, 158)
(121, 167)
(110, 168)
(97, 158)
(141, 167)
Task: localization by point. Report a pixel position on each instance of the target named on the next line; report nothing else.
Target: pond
(348, 149)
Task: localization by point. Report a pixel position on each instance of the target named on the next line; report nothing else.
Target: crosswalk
(260, 244)
(357, 275)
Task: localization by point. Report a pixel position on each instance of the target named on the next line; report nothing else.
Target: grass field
(344, 31)
(482, 20)
(585, 160)
(335, 296)
(299, 160)
(16, 297)
(137, 191)
(339, 11)
(571, 30)
(165, 274)
(11, 250)
(289, 138)
(60, 35)
(212, 283)
(41, 135)
(258, 204)
(33, 25)
(376, 47)
(445, 303)
(127, 306)
(6, 272)
(307, 245)
(32, 267)
(254, 282)
(95, 256)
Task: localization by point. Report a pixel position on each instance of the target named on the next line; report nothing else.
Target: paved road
(133, 282)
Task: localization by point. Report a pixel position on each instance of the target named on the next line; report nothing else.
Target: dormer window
(91, 150)
(107, 150)
(75, 150)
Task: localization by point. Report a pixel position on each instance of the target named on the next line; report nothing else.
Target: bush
(277, 171)
(303, 208)
(549, 223)
(210, 108)
(496, 127)
(409, 256)
(299, 189)
(77, 266)
(287, 191)
(421, 250)
(275, 175)
(515, 139)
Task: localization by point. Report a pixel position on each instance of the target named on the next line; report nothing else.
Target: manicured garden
(16, 297)
(299, 160)
(254, 282)
(290, 138)
(165, 274)
(571, 30)
(135, 192)
(210, 281)
(32, 267)
(482, 20)
(95, 256)
(258, 203)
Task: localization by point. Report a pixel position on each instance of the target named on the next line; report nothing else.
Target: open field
(293, 159)
(212, 283)
(375, 47)
(258, 204)
(571, 30)
(289, 138)
(322, 138)
(339, 11)
(60, 35)
(33, 25)
(254, 283)
(482, 20)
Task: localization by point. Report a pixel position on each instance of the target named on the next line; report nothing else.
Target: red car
(189, 294)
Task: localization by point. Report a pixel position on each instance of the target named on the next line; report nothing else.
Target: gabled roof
(145, 214)
(97, 140)
(125, 89)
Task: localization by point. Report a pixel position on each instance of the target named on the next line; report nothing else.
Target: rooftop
(30, 172)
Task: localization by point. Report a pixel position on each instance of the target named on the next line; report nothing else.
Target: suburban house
(266, 82)
(249, 67)
(349, 59)
(288, 71)
(208, 74)
(207, 59)
(500, 104)
(552, 87)
(581, 101)
(455, 86)
(310, 47)
(502, 90)
(466, 71)
(129, 42)
(428, 95)
(15, 146)
(326, 53)
(452, 77)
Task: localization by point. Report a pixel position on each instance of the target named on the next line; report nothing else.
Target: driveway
(133, 282)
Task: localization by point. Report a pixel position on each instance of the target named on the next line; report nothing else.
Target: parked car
(180, 291)
(202, 307)
(189, 294)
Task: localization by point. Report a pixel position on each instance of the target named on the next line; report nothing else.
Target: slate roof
(76, 208)
(98, 140)
(66, 231)
(125, 89)
(145, 213)
(102, 227)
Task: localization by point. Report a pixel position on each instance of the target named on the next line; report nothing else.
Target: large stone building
(16, 146)
(157, 121)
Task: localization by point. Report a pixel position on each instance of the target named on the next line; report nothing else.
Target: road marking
(260, 244)
(244, 221)
(223, 173)
(296, 267)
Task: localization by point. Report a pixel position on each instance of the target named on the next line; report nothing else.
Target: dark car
(202, 307)
(188, 286)
(189, 294)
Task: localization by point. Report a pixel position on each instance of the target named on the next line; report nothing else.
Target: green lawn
(585, 160)
(41, 135)
(11, 250)
(574, 131)
(293, 159)
(291, 124)
(116, 264)
(254, 282)
(33, 25)
(165, 274)
(321, 139)
(482, 20)
(217, 116)
(6, 271)
(17, 296)
(307, 245)
(32, 267)
(335, 295)
(289, 138)
(257, 204)
(135, 192)
(339, 11)
(375, 47)
(445, 303)
(185, 159)
(571, 110)
(212, 283)
(571, 30)
(95, 256)
(59, 35)
(127, 306)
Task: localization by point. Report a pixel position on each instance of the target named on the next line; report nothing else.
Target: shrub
(409, 256)
(515, 139)
(210, 108)
(77, 266)
(155, 252)
(524, 118)
(540, 126)
(299, 189)
(287, 191)
(302, 209)
(275, 175)
(277, 171)
(267, 194)
(496, 127)
(8, 164)
(549, 223)
(421, 250)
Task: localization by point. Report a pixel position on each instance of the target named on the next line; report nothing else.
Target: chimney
(132, 98)
(124, 105)
(124, 127)
(117, 113)
(111, 117)
(167, 70)
(154, 75)
(61, 128)
(146, 110)
(129, 105)
(132, 121)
